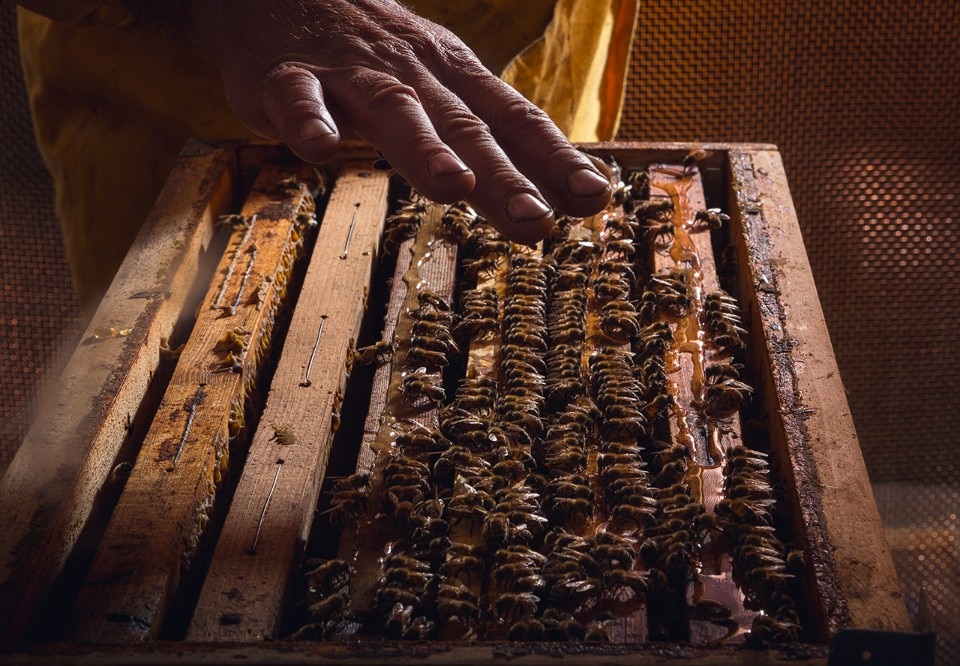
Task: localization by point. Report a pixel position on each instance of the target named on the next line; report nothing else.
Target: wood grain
(155, 528)
(273, 506)
(855, 578)
(49, 490)
(707, 441)
(424, 263)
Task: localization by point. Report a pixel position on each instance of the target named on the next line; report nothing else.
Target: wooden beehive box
(178, 488)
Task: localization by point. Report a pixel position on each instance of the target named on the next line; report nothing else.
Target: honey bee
(457, 222)
(424, 529)
(421, 441)
(562, 626)
(621, 226)
(742, 510)
(367, 355)
(620, 324)
(526, 629)
(466, 428)
(399, 227)
(572, 276)
(610, 287)
(329, 577)
(525, 421)
(518, 554)
(617, 579)
(465, 612)
(693, 157)
(571, 510)
(711, 218)
(424, 328)
(614, 554)
(437, 343)
(617, 428)
(623, 247)
(442, 317)
(410, 579)
(327, 608)
(767, 576)
(574, 485)
(730, 343)
(496, 530)
(574, 251)
(346, 506)
(506, 573)
(574, 591)
(400, 623)
(639, 184)
(474, 268)
(766, 629)
(641, 516)
(482, 245)
(511, 470)
(723, 398)
(531, 340)
(390, 596)
(417, 385)
(760, 556)
(399, 560)
(462, 566)
(650, 208)
(399, 499)
(456, 590)
(513, 606)
(428, 358)
(430, 299)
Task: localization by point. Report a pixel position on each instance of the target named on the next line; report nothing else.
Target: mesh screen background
(863, 101)
(38, 311)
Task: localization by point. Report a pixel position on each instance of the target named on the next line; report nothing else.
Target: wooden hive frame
(102, 405)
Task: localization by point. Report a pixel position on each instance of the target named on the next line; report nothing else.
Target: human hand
(306, 72)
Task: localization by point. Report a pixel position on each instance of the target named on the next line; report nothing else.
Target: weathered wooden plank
(855, 577)
(273, 506)
(425, 263)
(801, 404)
(47, 493)
(415, 654)
(707, 440)
(157, 523)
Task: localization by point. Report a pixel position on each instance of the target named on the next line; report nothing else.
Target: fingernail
(315, 129)
(445, 164)
(523, 207)
(587, 183)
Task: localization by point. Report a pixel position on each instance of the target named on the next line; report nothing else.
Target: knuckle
(385, 94)
(458, 125)
(520, 115)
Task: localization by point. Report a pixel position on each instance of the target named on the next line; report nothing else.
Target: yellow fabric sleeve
(577, 70)
(113, 105)
(83, 13)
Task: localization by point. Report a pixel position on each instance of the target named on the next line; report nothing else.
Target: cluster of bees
(766, 567)
(547, 502)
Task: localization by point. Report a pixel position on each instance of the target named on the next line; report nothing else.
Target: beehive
(317, 410)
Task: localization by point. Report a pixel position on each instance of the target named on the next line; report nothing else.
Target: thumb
(293, 103)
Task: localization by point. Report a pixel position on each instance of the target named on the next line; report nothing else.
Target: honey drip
(714, 589)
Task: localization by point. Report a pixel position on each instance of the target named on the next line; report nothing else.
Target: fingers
(390, 116)
(568, 179)
(294, 106)
(503, 195)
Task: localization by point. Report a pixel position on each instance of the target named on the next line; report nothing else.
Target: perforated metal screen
(38, 311)
(863, 101)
